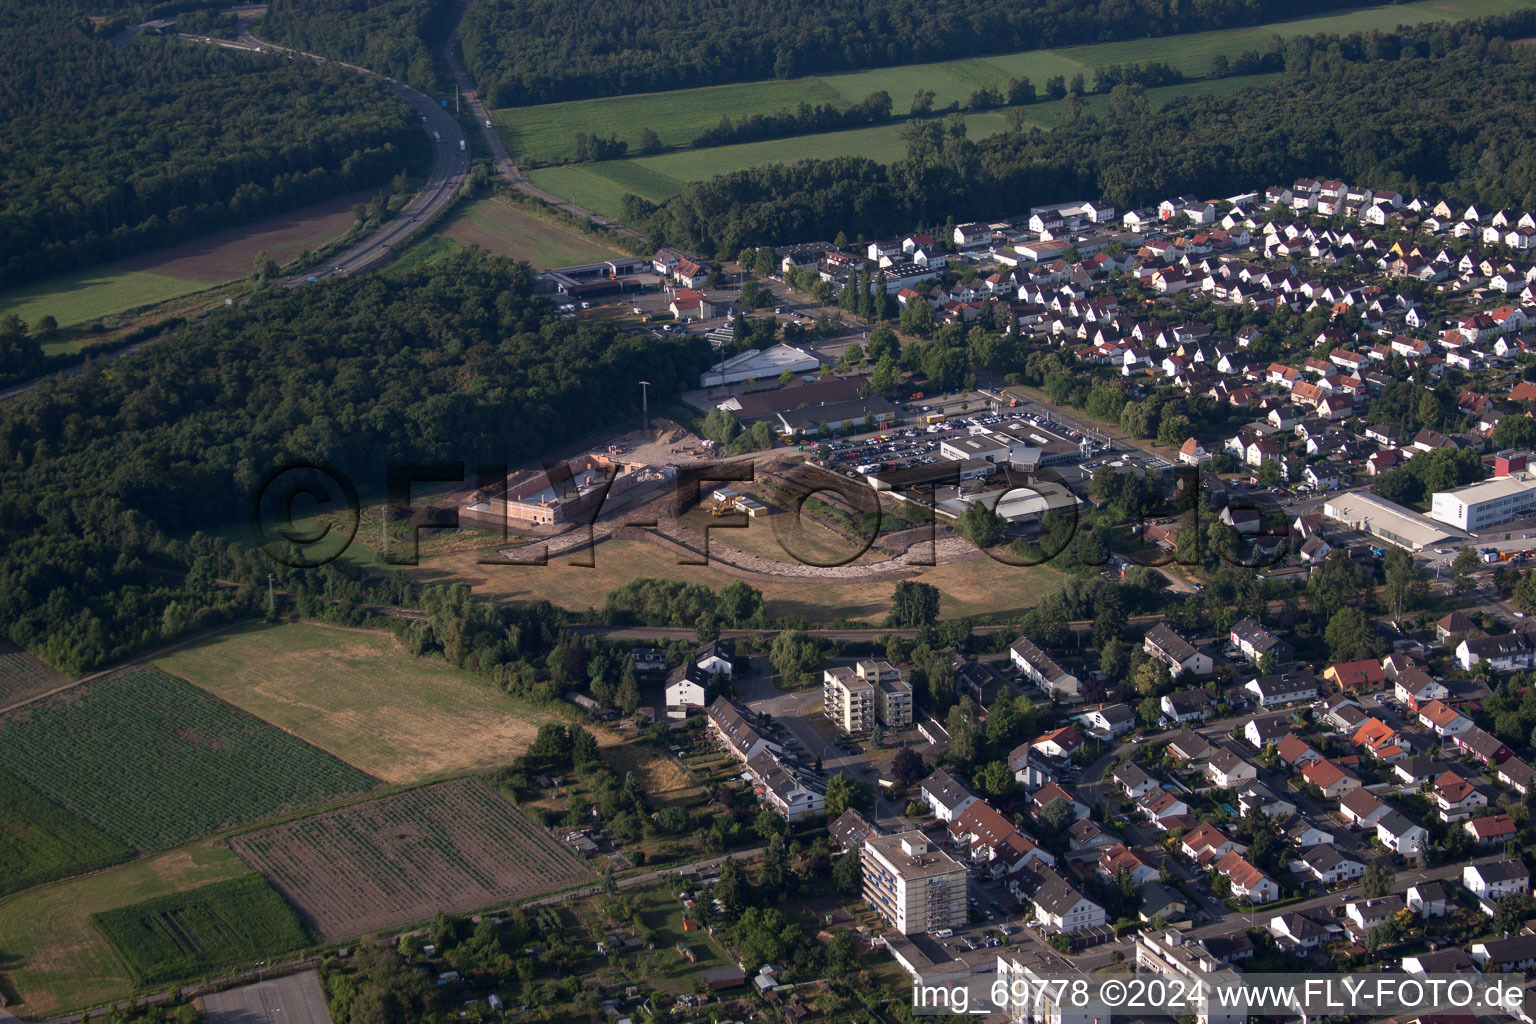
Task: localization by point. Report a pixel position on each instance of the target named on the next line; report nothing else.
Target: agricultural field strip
(452, 846)
(23, 676)
(545, 132)
(180, 935)
(155, 762)
(41, 841)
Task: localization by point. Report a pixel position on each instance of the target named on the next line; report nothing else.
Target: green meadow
(601, 186)
(543, 133)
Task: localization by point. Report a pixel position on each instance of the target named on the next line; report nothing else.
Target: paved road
(799, 711)
(504, 165)
(449, 169)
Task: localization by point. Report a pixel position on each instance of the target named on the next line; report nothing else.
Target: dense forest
(604, 49)
(1428, 111)
(393, 37)
(107, 478)
(113, 151)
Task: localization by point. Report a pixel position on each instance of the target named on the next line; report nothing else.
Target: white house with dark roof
(1042, 669)
(1398, 833)
(945, 796)
(1283, 688)
(1167, 646)
(1134, 781)
(1492, 880)
(1187, 706)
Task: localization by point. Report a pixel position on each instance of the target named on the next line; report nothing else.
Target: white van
(944, 933)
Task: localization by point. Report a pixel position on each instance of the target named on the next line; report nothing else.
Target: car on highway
(488, 122)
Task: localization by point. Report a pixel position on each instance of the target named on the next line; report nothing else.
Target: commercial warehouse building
(1392, 523)
(1481, 505)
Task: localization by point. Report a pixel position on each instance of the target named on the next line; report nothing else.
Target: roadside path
(503, 159)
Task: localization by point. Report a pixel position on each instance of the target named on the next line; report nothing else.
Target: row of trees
(1338, 106)
(581, 51)
(113, 151)
(804, 119)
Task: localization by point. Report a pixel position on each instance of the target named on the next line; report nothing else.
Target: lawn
(41, 841)
(358, 695)
(55, 958)
(676, 117)
(502, 227)
(601, 186)
(544, 132)
(760, 537)
(192, 266)
(976, 587)
(97, 292)
(184, 935)
(154, 762)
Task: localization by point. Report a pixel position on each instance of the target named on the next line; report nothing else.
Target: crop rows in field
(23, 676)
(451, 847)
(155, 762)
(189, 933)
(41, 841)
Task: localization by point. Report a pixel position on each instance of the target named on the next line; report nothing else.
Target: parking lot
(918, 445)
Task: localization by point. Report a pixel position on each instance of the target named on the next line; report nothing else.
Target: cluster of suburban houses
(1327, 802)
(779, 783)
(1302, 407)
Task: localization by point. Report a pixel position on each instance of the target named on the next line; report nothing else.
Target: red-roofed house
(1122, 858)
(1354, 676)
(1333, 780)
(688, 304)
(1442, 719)
(1058, 743)
(1495, 828)
(1248, 882)
(1053, 791)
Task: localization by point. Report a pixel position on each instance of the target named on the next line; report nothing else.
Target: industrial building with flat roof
(759, 364)
(1488, 503)
(1392, 523)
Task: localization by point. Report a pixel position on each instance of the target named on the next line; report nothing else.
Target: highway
(450, 167)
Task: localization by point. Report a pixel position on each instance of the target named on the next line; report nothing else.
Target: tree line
(1339, 106)
(804, 119)
(110, 152)
(581, 51)
(393, 37)
(119, 487)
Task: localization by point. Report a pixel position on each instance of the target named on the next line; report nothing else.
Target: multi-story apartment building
(856, 697)
(913, 884)
(848, 699)
(1172, 953)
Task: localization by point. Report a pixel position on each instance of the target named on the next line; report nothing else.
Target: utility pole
(645, 409)
(271, 597)
(384, 531)
(455, 97)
